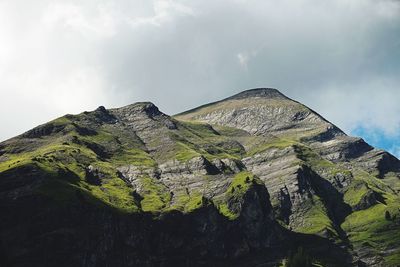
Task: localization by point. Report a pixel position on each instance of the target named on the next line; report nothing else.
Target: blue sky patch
(379, 139)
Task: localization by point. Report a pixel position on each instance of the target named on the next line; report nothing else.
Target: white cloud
(164, 12)
(71, 17)
(339, 57)
(243, 60)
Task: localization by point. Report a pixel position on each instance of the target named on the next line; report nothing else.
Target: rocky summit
(256, 179)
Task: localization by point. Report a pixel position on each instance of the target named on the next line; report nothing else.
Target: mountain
(255, 179)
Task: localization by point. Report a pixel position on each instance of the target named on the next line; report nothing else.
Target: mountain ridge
(258, 165)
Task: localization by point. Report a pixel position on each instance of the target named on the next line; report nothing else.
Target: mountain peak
(260, 111)
(259, 92)
(139, 107)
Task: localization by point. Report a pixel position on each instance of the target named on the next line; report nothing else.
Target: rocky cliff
(244, 181)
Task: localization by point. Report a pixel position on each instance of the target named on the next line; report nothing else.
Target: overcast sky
(341, 58)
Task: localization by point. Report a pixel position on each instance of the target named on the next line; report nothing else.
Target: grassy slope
(68, 152)
(229, 204)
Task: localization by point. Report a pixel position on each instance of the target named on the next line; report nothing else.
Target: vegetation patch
(195, 139)
(133, 156)
(230, 205)
(375, 228)
(274, 142)
(312, 158)
(355, 193)
(316, 219)
(156, 196)
(187, 202)
(184, 152)
(196, 200)
(230, 131)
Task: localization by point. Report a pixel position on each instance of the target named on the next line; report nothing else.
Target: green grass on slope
(230, 204)
(315, 218)
(72, 149)
(199, 140)
(369, 228)
(60, 161)
(106, 148)
(133, 156)
(186, 202)
(355, 193)
(206, 141)
(185, 152)
(201, 130)
(364, 184)
(156, 196)
(230, 131)
(313, 159)
(273, 142)
(113, 191)
(392, 180)
(373, 229)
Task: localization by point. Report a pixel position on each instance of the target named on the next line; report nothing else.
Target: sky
(341, 58)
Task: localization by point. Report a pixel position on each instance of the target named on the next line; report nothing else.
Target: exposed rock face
(93, 175)
(262, 111)
(243, 181)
